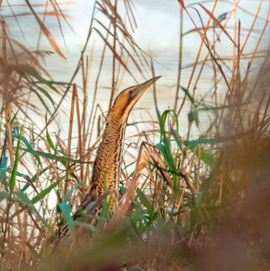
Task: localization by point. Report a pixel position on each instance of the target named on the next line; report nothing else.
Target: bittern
(107, 164)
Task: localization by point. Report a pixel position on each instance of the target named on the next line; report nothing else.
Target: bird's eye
(130, 93)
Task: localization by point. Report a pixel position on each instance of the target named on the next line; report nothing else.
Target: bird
(107, 164)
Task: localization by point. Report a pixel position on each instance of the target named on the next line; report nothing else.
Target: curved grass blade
(12, 179)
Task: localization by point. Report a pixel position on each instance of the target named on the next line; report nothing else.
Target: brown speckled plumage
(106, 168)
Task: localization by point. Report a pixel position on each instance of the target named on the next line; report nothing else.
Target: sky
(158, 20)
(158, 24)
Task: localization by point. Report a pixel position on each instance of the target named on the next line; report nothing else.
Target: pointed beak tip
(154, 79)
(148, 83)
(157, 78)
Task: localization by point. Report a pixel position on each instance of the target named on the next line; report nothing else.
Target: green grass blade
(65, 208)
(43, 193)
(12, 179)
(4, 195)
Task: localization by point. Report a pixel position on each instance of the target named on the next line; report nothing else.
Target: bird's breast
(108, 161)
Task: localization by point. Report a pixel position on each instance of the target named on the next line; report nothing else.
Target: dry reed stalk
(76, 71)
(46, 6)
(198, 52)
(212, 47)
(256, 16)
(260, 38)
(70, 129)
(6, 94)
(233, 78)
(80, 142)
(146, 154)
(45, 31)
(222, 112)
(114, 83)
(92, 113)
(180, 58)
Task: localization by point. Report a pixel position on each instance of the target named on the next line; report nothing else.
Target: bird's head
(126, 100)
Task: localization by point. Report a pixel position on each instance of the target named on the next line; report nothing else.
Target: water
(157, 34)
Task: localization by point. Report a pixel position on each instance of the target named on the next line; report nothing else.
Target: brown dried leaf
(46, 32)
(217, 22)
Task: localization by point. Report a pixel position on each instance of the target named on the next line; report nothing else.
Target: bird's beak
(134, 94)
(140, 89)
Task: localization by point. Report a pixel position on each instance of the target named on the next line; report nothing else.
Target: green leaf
(200, 152)
(65, 208)
(163, 118)
(50, 156)
(33, 179)
(43, 193)
(144, 200)
(3, 169)
(105, 211)
(86, 210)
(33, 90)
(24, 199)
(4, 195)
(166, 152)
(193, 116)
(25, 70)
(71, 191)
(205, 141)
(165, 145)
(153, 216)
(49, 140)
(85, 225)
(30, 148)
(12, 179)
(14, 118)
(188, 95)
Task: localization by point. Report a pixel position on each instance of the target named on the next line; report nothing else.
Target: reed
(184, 194)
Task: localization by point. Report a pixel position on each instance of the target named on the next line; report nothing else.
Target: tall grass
(185, 195)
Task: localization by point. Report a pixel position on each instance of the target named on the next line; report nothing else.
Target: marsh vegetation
(200, 201)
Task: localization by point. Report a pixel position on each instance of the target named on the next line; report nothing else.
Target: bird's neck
(108, 160)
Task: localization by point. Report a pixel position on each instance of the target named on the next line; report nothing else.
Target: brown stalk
(147, 153)
(218, 35)
(77, 69)
(130, 15)
(234, 50)
(114, 83)
(254, 53)
(217, 22)
(85, 97)
(251, 29)
(180, 55)
(80, 144)
(70, 129)
(92, 113)
(126, 37)
(198, 53)
(6, 95)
